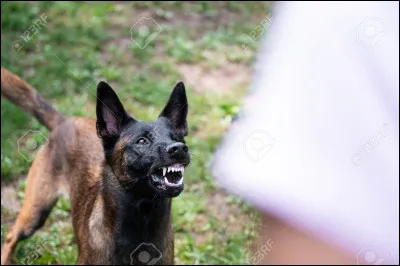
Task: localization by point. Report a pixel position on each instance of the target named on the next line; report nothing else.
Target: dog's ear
(111, 115)
(176, 109)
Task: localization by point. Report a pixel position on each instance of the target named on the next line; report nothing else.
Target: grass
(79, 44)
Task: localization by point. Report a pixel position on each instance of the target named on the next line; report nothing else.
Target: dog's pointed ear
(176, 109)
(111, 115)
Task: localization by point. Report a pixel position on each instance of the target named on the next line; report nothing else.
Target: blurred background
(142, 49)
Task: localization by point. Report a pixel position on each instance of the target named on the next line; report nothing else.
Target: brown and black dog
(120, 173)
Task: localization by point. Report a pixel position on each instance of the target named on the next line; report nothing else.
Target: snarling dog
(121, 175)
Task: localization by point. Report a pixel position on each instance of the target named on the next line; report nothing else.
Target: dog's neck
(135, 218)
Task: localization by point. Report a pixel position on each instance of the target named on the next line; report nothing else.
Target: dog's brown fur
(72, 161)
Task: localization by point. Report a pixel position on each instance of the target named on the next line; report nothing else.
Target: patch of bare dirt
(233, 217)
(201, 78)
(200, 237)
(187, 15)
(9, 198)
(198, 21)
(216, 80)
(9, 201)
(230, 218)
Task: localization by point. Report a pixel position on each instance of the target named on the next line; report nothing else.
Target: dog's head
(148, 157)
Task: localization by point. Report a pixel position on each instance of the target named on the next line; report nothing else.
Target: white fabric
(317, 144)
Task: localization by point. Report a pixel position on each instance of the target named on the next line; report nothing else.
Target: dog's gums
(168, 176)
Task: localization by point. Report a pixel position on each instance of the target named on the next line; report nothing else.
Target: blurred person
(316, 147)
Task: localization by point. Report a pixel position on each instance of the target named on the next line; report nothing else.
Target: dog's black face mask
(147, 157)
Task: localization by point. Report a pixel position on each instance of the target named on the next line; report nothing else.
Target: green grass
(80, 44)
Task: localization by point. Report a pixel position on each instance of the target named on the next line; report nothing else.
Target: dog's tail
(28, 99)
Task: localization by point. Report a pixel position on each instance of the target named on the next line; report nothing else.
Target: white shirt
(317, 144)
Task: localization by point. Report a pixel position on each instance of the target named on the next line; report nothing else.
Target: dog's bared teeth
(174, 168)
(173, 184)
(168, 183)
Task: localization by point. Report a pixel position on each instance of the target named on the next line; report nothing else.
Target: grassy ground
(208, 45)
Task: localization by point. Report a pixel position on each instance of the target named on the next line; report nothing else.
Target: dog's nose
(177, 148)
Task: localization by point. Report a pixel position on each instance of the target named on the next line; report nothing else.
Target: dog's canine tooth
(182, 170)
(180, 181)
(169, 169)
(164, 170)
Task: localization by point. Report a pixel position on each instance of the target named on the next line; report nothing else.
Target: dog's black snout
(176, 148)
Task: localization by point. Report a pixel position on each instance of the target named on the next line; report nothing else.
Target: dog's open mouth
(168, 176)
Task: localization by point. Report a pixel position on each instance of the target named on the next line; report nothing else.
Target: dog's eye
(142, 141)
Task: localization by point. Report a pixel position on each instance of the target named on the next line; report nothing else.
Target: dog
(120, 173)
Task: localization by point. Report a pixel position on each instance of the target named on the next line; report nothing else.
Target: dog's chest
(141, 237)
